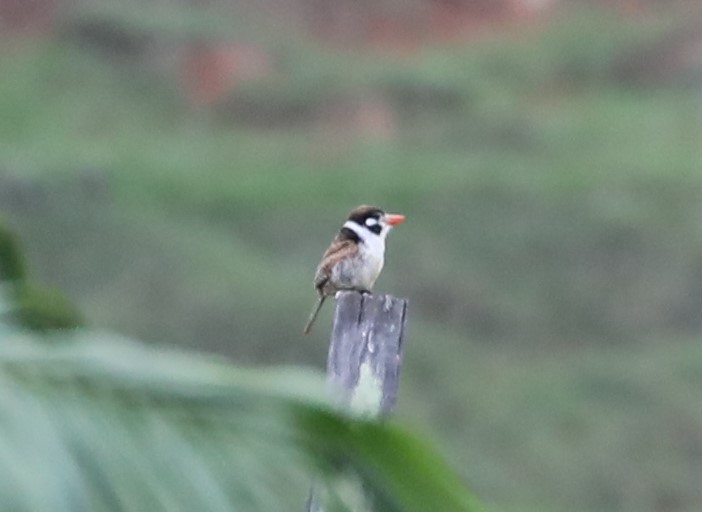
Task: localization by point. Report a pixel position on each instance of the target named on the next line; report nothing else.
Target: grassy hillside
(552, 253)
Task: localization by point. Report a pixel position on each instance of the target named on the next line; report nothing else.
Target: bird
(355, 257)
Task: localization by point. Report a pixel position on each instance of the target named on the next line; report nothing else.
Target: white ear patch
(371, 221)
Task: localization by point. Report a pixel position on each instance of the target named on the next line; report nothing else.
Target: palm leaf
(93, 422)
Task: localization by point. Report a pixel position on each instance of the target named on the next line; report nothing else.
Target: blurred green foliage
(100, 423)
(12, 266)
(35, 307)
(42, 309)
(552, 253)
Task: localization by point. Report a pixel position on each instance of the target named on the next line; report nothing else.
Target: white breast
(363, 270)
(372, 258)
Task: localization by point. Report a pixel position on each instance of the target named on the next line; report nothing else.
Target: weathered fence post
(365, 354)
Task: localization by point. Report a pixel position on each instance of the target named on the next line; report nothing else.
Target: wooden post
(365, 354)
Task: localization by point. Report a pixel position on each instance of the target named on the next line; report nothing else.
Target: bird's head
(372, 220)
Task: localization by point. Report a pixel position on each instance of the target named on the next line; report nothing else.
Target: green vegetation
(12, 266)
(552, 253)
(34, 307)
(41, 309)
(104, 423)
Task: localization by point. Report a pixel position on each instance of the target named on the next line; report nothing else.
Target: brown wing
(337, 251)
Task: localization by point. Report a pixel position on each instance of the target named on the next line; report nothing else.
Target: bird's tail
(313, 315)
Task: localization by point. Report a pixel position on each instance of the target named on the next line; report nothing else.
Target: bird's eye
(371, 221)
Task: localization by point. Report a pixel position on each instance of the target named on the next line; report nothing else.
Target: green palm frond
(101, 423)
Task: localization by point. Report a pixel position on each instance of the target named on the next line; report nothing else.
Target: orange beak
(394, 218)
